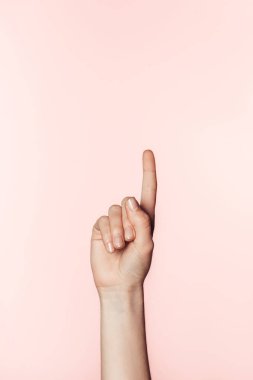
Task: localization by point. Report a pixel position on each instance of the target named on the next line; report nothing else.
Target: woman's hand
(120, 262)
(122, 242)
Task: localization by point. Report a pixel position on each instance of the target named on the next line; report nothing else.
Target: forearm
(123, 338)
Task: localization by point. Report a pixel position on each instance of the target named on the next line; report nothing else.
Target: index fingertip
(148, 159)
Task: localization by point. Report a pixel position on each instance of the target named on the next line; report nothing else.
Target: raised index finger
(149, 183)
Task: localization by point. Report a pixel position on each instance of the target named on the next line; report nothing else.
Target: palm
(124, 268)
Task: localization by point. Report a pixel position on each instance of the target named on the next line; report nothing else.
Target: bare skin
(119, 271)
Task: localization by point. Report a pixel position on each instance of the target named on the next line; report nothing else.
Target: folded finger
(102, 226)
(128, 227)
(116, 225)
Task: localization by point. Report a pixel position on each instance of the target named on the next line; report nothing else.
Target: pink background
(85, 87)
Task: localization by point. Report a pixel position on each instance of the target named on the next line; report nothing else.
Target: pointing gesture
(149, 184)
(122, 241)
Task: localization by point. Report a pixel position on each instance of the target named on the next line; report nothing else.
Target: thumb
(140, 221)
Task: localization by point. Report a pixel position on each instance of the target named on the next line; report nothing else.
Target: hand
(123, 265)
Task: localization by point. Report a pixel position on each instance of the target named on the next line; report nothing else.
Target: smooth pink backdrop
(85, 87)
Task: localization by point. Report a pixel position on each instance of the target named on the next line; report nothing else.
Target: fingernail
(110, 247)
(133, 204)
(129, 233)
(118, 241)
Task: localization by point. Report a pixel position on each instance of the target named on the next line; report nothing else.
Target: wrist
(122, 297)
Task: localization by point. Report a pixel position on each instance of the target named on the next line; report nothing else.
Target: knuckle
(114, 208)
(124, 200)
(99, 224)
(102, 219)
